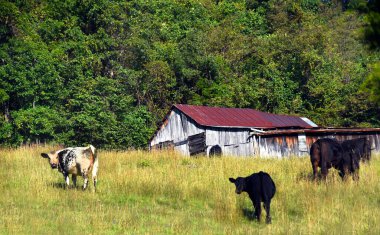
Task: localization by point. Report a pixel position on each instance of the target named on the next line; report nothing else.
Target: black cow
(353, 151)
(260, 188)
(361, 147)
(344, 156)
(326, 153)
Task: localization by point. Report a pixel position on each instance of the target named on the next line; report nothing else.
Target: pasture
(165, 193)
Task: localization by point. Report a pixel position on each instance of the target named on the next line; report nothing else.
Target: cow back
(359, 148)
(260, 185)
(329, 150)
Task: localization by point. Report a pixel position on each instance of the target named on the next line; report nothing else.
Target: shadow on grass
(62, 186)
(303, 176)
(333, 175)
(58, 185)
(249, 214)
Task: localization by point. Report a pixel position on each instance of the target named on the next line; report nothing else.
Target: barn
(194, 130)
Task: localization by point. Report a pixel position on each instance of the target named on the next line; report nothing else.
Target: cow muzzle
(53, 166)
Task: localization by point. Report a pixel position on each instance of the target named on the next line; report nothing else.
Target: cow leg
(342, 174)
(94, 172)
(268, 219)
(85, 177)
(324, 170)
(257, 212)
(74, 179)
(355, 162)
(315, 169)
(67, 179)
(343, 171)
(315, 158)
(94, 179)
(355, 175)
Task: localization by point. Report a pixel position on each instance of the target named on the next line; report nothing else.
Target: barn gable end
(176, 128)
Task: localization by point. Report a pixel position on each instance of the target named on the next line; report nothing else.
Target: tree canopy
(106, 72)
(372, 35)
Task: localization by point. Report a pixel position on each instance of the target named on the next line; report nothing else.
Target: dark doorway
(197, 144)
(215, 151)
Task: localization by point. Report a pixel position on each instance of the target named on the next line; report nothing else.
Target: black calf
(260, 188)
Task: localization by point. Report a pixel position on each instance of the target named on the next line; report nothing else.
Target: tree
(106, 72)
(372, 34)
(372, 84)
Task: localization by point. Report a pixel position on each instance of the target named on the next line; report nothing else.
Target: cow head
(239, 183)
(53, 158)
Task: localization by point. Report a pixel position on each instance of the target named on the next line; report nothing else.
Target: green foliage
(372, 84)
(112, 69)
(373, 30)
(136, 127)
(8, 18)
(372, 35)
(7, 135)
(38, 124)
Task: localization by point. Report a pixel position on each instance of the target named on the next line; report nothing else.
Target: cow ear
(232, 180)
(44, 155)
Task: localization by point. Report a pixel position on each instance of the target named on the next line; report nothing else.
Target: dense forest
(107, 71)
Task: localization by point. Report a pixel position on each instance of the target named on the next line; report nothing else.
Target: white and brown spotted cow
(74, 161)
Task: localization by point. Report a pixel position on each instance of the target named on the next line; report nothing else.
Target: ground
(165, 193)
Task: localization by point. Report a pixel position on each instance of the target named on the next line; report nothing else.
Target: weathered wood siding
(278, 146)
(177, 128)
(183, 149)
(233, 141)
(226, 136)
(290, 145)
(243, 150)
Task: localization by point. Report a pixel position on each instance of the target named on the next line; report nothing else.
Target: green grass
(165, 193)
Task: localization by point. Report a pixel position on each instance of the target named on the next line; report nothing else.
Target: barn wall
(177, 128)
(279, 146)
(244, 150)
(183, 148)
(226, 136)
(233, 141)
(291, 145)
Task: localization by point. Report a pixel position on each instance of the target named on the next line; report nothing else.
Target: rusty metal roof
(238, 117)
(319, 131)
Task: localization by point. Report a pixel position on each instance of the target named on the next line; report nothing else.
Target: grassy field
(165, 193)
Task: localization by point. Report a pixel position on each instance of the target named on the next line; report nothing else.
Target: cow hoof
(268, 220)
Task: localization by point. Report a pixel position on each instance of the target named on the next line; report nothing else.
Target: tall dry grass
(165, 193)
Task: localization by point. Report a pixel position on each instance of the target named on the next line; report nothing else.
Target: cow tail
(96, 162)
(274, 187)
(263, 196)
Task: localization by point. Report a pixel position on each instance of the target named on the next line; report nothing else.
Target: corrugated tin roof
(237, 117)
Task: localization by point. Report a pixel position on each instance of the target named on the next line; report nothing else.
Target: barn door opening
(215, 151)
(197, 144)
(164, 145)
